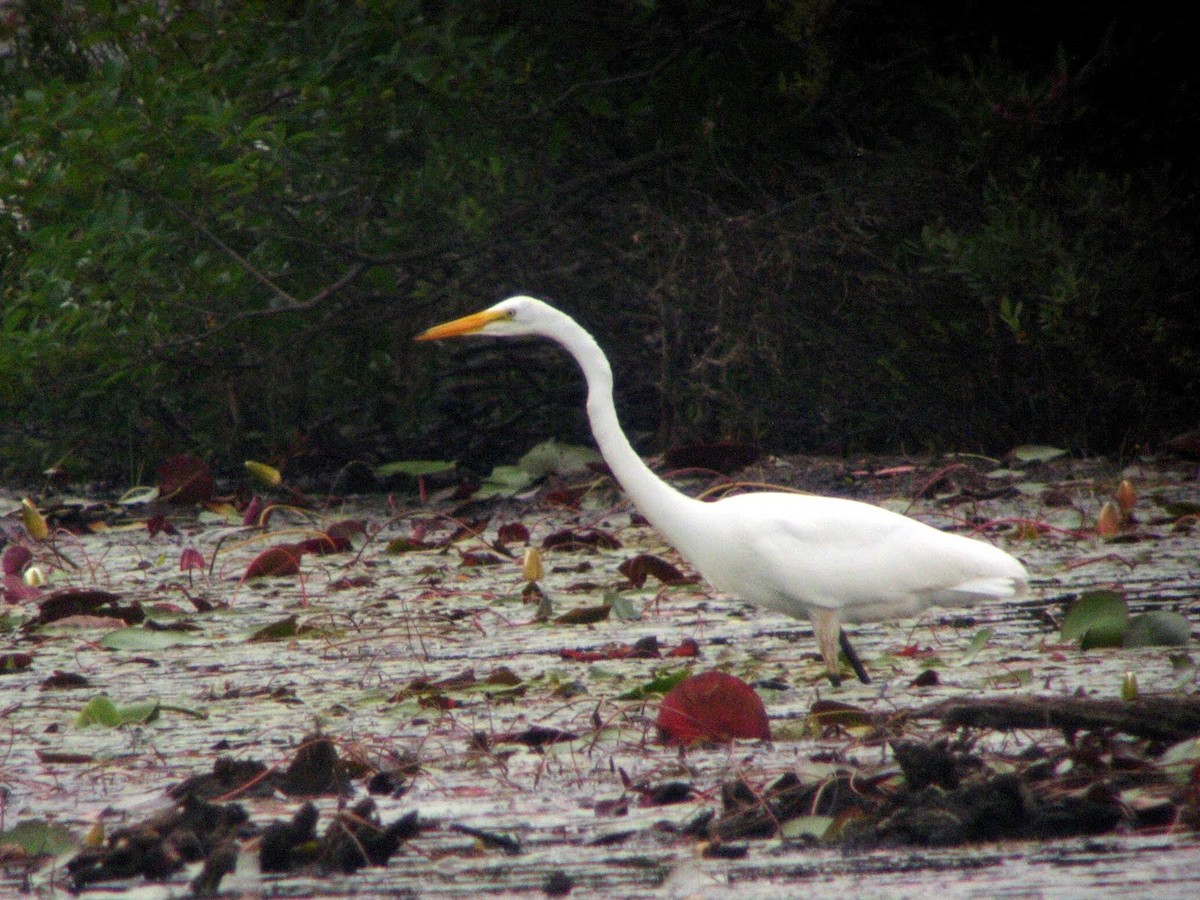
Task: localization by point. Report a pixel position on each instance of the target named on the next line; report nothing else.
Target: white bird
(831, 559)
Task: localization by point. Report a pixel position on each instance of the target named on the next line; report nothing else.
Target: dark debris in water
(199, 829)
(948, 794)
(161, 846)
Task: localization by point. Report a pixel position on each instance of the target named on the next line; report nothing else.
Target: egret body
(827, 558)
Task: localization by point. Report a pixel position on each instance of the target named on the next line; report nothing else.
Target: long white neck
(676, 515)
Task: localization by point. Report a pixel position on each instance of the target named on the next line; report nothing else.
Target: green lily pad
(551, 457)
(504, 481)
(102, 711)
(978, 642)
(1158, 628)
(1027, 453)
(142, 639)
(38, 837)
(656, 686)
(806, 826)
(415, 467)
(1097, 619)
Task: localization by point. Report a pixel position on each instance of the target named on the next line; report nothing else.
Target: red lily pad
(16, 558)
(282, 559)
(637, 568)
(185, 479)
(712, 706)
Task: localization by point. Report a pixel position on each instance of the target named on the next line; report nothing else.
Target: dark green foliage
(819, 226)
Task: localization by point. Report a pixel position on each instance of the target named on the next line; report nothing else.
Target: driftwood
(1161, 718)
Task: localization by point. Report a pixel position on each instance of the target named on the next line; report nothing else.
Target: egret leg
(851, 654)
(827, 629)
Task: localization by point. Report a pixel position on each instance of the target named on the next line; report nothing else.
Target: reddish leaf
(469, 529)
(834, 712)
(583, 656)
(82, 601)
(480, 558)
(63, 681)
(14, 662)
(464, 491)
(15, 559)
(687, 647)
(160, 524)
(513, 533)
(17, 591)
(254, 512)
(636, 568)
(568, 497)
(712, 706)
(325, 544)
(573, 540)
(586, 615)
(346, 529)
(437, 701)
(283, 559)
(185, 479)
(353, 581)
(190, 559)
(646, 648)
(536, 736)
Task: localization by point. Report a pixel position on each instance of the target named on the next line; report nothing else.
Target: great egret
(831, 559)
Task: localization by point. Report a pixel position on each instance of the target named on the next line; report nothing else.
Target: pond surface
(382, 641)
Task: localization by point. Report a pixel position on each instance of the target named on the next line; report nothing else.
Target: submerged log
(1161, 718)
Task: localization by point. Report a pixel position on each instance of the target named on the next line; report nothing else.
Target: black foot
(855, 663)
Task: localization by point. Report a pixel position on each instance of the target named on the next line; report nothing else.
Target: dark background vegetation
(819, 226)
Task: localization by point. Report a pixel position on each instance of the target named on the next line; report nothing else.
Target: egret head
(509, 318)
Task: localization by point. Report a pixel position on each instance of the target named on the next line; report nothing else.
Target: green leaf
(978, 642)
(1158, 628)
(1181, 761)
(281, 630)
(504, 481)
(38, 837)
(656, 686)
(1177, 508)
(415, 467)
(1027, 453)
(806, 826)
(143, 639)
(624, 607)
(102, 711)
(551, 457)
(1097, 619)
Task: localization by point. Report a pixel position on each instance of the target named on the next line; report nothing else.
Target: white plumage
(830, 559)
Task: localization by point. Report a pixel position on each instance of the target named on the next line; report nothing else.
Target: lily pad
(806, 826)
(38, 837)
(415, 467)
(1097, 619)
(1158, 628)
(551, 457)
(102, 711)
(1028, 453)
(142, 639)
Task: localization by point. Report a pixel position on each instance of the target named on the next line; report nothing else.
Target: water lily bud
(531, 565)
(1129, 686)
(34, 577)
(34, 521)
(1108, 523)
(1126, 496)
(267, 476)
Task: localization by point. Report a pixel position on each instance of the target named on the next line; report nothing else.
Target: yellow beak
(466, 325)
